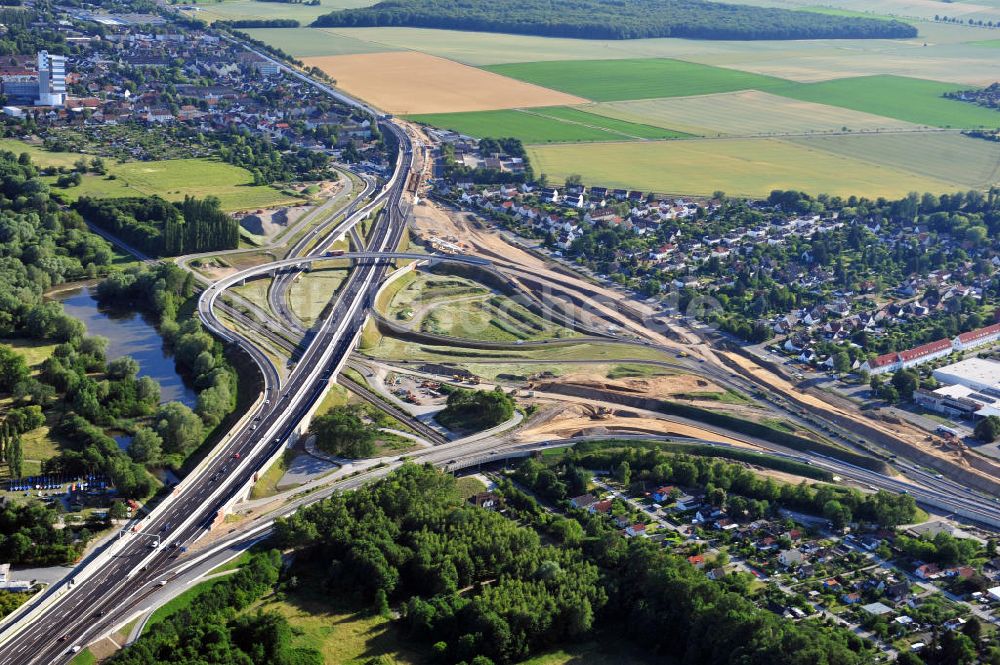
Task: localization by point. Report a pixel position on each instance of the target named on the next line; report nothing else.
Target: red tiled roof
(925, 350)
(973, 335)
(883, 360)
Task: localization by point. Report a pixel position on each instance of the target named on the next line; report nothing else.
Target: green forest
(622, 19)
(160, 228)
(476, 409)
(479, 587)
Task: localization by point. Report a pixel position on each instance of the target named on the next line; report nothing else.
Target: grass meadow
(173, 179)
(39, 155)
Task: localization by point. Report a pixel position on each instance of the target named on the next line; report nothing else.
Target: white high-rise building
(51, 79)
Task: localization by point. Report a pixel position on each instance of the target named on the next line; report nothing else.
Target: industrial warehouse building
(971, 389)
(973, 373)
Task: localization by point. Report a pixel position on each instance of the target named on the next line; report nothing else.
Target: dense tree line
(211, 630)
(342, 431)
(476, 409)
(622, 19)
(481, 588)
(943, 548)
(28, 536)
(988, 96)
(160, 228)
(260, 23)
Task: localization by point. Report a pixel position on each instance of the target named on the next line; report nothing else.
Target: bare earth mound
(410, 82)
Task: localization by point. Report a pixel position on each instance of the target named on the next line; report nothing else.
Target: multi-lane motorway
(121, 577)
(129, 568)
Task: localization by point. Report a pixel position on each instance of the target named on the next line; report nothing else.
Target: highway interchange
(108, 587)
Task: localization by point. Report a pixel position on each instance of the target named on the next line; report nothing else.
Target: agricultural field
(965, 162)
(614, 80)
(747, 167)
(907, 99)
(234, 10)
(311, 42)
(545, 125)
(836, 116)
(913, 100)
(745, 114)
(932, 55)
(173, 179)
(410, 82)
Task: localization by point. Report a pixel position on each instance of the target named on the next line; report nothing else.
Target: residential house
(788, 558)
(662, 494)
(636, 531)
(697, 560)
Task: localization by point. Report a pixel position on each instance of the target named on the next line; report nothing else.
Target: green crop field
(308, 42)
(741, 167)
(545, 125)
(913, 100)
(990, 43)
(174, 178)
(612, 80)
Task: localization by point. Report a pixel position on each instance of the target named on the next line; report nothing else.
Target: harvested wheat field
(410, 82)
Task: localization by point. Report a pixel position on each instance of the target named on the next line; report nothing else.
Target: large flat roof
(979, 370)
